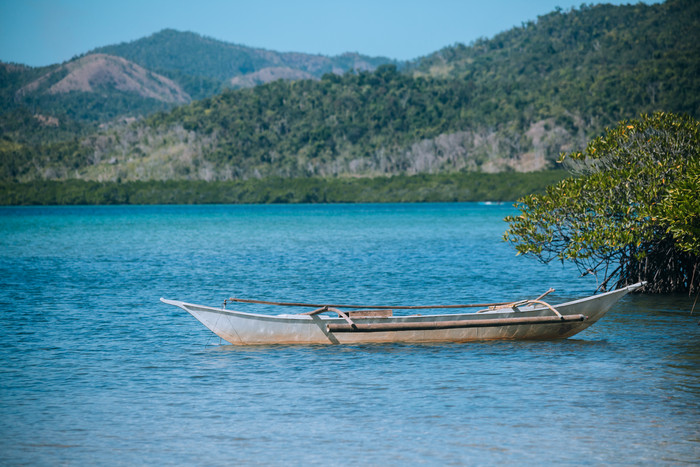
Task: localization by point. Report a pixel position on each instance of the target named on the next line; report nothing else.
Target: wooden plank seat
(370, 313)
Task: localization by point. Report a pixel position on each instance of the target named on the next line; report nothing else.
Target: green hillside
(605, 62)
(183, 64)
(64, 113)
(507, 104)
(205, 66)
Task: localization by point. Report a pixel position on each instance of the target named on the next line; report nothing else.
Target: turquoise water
(95, 370)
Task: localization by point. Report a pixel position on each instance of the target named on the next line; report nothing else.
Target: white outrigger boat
(525, 319)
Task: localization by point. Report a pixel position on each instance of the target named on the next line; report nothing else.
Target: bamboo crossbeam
(432, 325)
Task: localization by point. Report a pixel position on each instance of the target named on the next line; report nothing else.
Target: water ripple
(95, 369)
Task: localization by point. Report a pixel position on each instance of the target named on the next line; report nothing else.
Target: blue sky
(43, 32)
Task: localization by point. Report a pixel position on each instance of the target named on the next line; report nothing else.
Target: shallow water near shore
(96, 370)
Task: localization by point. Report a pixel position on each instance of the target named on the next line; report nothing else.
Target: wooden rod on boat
(380, 307)
(343, 315)
(430, 325)
(323, 309)
(545, 294)
(548, 306)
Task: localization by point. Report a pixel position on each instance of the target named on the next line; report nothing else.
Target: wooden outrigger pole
(386, 307)
(378, 309)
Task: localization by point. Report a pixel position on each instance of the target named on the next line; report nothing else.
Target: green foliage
(21, 126)
(86, 108)
(420, 188)
(603, 62)
(632, 212)
(680, 209)
(309, 121)
(21, 122)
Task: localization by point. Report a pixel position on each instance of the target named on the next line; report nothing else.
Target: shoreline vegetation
(455, 187)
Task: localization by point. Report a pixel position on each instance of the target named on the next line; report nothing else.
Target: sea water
(95, 370)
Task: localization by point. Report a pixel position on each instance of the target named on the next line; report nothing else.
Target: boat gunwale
(400, 318)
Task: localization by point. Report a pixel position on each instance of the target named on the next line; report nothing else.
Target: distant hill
(100, 73)
(88, 90)
(204, 66)
(510, 103)
(157, 72)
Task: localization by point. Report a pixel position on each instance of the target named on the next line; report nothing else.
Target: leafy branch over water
(633, 212)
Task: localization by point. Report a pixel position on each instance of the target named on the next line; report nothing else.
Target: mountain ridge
(170, 51)
(510, 103)
(93, 72)
(154, 73)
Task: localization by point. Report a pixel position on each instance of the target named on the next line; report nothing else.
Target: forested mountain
(513, 102)
(168, 68)
(204, 66)
(605, 61)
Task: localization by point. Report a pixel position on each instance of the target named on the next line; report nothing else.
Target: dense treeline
(419, 188)
(365, 124)
(301, 126)
(85, 109)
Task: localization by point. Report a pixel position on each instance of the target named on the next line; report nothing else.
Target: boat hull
(530, 322)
